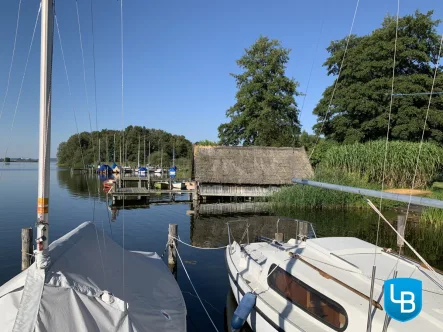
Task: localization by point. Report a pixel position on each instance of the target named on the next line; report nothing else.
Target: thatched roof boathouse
(247, 171)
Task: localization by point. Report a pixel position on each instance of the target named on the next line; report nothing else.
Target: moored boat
(323, 284)
(178, 185)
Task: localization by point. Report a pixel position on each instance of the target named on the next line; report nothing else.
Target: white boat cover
(68, 295)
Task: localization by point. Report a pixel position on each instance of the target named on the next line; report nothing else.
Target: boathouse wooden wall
(227, 171)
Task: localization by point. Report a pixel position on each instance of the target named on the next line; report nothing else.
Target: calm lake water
(146, 229)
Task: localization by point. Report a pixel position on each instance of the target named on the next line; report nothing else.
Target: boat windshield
(306, 298)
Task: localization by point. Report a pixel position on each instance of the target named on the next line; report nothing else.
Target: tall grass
(433, 215)
(366, 161)
(301, 196)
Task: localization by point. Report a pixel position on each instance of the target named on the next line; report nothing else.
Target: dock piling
(172, 248)
(26, 248)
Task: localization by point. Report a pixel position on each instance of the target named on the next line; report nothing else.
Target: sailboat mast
(99, 157)
(114, 149)
(138, 155)
(149, 155)
(107, 152)
(144, 151)
(47, 33)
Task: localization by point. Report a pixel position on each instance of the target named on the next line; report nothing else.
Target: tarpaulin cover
(68, 295)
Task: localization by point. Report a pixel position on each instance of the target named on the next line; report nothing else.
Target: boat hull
(258, 319)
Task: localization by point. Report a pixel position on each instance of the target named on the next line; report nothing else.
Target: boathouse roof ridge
(252, 165)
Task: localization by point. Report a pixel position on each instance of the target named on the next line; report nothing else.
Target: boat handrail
(299, 229)
(328, 276)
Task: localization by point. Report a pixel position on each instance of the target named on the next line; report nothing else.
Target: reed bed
(301, 196)
(366, 161)
(433, 215)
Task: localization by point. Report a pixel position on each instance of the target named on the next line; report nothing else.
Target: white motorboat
(178, 185)
(323, 284)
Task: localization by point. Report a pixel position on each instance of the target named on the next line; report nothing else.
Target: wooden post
(279, 237)
(26, 247)
(401, 222)
(172, 249)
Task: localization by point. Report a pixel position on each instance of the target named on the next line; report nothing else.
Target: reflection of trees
(77, 184)
(211, 230)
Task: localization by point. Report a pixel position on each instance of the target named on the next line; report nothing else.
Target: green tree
(359, 109)
(307, 141)
(265, 112)
(7, 159)
(70, 153)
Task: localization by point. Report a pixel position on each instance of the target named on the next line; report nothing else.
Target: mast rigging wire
(336, 81)
(123, 126)
(423, 132)
(12, 59)
(387, 131)
(78, 135)
(21, 85)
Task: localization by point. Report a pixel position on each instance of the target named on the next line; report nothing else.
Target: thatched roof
(250, 165)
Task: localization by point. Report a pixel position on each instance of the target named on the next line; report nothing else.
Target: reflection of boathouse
(247, 171)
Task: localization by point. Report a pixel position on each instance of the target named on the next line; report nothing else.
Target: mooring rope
(195, 291)
(190, 245)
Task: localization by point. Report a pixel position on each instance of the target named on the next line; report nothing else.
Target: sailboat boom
(415, 200)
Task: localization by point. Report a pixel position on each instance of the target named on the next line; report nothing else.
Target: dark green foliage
(265, 113)
(7, 159)
(306, 140)
(359, 110)
(70, 154)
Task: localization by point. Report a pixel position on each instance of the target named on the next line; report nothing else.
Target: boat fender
(243, 310)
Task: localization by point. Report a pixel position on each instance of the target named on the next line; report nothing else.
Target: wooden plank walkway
(143, 179)
(146, 192)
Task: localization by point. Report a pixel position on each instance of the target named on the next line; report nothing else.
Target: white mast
(99, 157)
(107, 153)
(114, 149)
(138, 155)
(47, 32)
(144, 150)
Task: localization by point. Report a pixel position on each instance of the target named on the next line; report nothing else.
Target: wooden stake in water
(26, 247)
(172, 248)
(401, 223)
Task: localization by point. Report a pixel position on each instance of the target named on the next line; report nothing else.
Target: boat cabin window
(308, 299)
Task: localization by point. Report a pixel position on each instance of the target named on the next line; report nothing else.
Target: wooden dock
(143, 179)
(146, 192)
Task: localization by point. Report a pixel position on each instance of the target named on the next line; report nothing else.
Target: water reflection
(204, 225)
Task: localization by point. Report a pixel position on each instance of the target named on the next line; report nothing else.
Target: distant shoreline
(17, 160)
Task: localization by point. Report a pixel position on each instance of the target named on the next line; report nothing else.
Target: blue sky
(177, 60)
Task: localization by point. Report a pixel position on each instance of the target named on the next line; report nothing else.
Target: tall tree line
(85, 146)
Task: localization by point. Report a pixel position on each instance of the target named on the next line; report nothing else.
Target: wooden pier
(146, 192)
